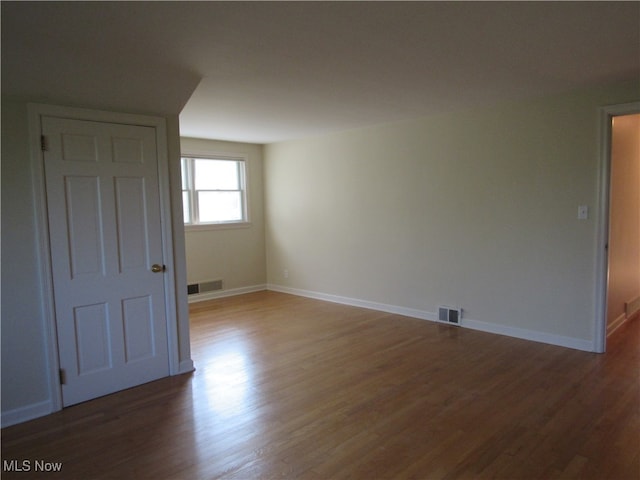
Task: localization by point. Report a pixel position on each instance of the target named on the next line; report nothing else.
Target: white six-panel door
(105, 233)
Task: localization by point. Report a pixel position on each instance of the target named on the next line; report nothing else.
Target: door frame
(35, 113)
(602, 224)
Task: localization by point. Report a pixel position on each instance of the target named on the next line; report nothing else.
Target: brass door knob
(155, 268)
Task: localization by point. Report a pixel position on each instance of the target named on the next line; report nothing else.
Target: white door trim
(602, 225)
(36, 112)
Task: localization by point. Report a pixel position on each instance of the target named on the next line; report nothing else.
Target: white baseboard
(202, 297)
(186, 366)
(354, 302)
(26, 413)
(616, 323)
(532, 335)
(40, 409)
(632, 307)
(524, 334)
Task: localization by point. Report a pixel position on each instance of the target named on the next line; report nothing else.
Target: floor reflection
(226, 376)
(225, 398)
(228, 382)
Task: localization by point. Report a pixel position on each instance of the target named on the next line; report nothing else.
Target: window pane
(216, 175)
(219, 206)
(186, 207)
(185, 184)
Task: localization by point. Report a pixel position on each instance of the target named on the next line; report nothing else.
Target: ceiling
(263, 72)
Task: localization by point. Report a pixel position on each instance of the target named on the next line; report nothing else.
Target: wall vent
(449, 315)
(202, 287)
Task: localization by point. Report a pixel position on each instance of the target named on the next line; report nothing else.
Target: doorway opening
(619, 227)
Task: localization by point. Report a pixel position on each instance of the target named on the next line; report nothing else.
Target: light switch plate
(583, 212)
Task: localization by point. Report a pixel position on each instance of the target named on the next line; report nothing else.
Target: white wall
(475, 209)
(25, 369)
(233, 254)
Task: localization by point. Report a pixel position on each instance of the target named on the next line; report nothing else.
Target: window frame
(189, 170)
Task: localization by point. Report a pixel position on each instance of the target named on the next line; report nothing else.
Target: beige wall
(624, 220)
(235, 255)
(475, 209)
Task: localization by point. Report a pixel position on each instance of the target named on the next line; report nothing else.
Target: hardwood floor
(290, 387)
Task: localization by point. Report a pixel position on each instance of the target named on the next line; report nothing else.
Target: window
(213, 191)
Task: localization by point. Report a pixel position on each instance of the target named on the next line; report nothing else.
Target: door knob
(155, 268)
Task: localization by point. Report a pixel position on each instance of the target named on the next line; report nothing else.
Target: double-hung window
(213, 190)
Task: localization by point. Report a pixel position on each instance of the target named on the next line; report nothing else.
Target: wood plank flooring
(288, 387)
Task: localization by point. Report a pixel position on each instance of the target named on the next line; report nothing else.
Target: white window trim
(246, 223)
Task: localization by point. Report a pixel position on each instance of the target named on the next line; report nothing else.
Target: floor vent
(202, 287)
(449, 315)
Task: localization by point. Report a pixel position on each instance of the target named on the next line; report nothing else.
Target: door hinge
(43, 143)
(63, 376)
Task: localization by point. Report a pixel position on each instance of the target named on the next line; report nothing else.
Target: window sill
(216, 226)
